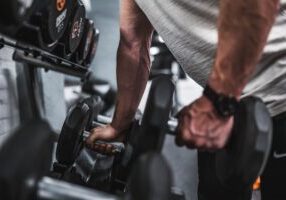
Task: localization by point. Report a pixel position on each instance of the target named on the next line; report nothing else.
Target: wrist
(122, 119)
(225, 85)
(224, 105)
(119, 126)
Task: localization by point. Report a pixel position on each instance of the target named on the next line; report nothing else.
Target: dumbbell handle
(117, 147)
(51, 189)
(102, 120)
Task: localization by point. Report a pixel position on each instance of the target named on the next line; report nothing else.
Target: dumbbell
(22, 176)
(74, 131)
(71, 149)
(150, 179)
(40, 23)
(55, 19)
(238, 164)
(81, 118)
(246, 153)
(149, 136)
(74, 31)
(47, 24)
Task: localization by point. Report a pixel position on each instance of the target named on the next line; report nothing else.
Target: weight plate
(76, 27)
(243, 160)
(86, 40)
(25, 158)
(71, 138)
(55, 19)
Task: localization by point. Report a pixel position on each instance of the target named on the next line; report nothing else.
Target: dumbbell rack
(41, 59)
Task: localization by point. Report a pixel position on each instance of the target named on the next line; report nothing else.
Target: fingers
(106, 149)
(206, 135)
(106, 134)
(94, 134)
(184, 136)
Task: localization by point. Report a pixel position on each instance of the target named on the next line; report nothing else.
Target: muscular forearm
(243, 27)
(133, 64)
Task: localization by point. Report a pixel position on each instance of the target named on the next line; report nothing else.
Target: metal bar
(117, 147)
(78, 72)
(50, 189)
(102, 120)
(172, 126)
(42, 59)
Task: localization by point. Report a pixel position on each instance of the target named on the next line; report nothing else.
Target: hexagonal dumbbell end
(245, 156)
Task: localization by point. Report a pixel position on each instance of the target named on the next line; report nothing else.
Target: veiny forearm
(133, 63)
(243, 27)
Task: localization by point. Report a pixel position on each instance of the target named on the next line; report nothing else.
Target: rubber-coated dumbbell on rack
(38, 27)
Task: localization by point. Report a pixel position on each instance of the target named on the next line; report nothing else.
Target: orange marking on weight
(256, 185)
(61, 5)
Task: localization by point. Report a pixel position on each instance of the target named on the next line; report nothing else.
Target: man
(225, 45)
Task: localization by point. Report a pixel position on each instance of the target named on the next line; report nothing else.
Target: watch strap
(224, 105)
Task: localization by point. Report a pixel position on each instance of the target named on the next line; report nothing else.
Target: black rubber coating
(243, 159)
(70, 140)
(86, 40)
(25, 158)
(16, 11)
(151, 178)
(76, 27)
(55, 18)
(93, 48)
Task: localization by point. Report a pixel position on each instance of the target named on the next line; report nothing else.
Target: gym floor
(182, 161)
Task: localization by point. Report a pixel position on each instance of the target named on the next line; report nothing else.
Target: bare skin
(243, 28)
(133, 67)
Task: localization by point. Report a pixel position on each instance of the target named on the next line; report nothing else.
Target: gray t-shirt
(189, 29)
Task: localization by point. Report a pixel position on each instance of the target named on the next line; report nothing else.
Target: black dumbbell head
(16, 11)
(151, 178)
(155, 117)
(70, 140)
(76, 27)
(25, 158)
(55, 18)
(244, 158)
(95, 105)
(85, 44)
(93, 47)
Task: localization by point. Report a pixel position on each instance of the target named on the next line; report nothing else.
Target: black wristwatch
(225, 105)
